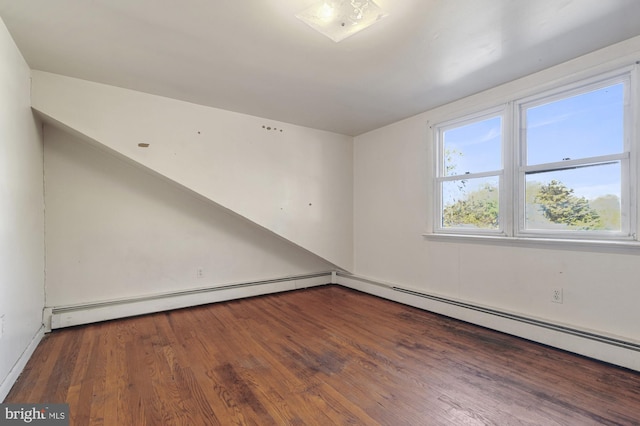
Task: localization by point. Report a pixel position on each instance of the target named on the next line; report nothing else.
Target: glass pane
(586, 125)
(471, 203)
(473, 148)
(580, 199)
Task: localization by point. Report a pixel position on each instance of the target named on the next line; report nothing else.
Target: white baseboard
(13, 375)
(67, 316)
(610, 349)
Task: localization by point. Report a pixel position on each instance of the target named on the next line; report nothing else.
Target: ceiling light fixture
(339, 19)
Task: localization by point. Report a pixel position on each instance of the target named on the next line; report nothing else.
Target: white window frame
(584, 86)
(514, 168)
(440, 129)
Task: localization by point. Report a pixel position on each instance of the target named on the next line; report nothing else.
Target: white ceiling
(255, 57)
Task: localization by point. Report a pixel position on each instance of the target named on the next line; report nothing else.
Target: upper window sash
(565, 93)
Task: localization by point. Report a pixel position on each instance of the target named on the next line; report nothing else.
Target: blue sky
(586, 125)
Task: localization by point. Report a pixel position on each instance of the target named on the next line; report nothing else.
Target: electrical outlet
(556, 295)
(200, 272)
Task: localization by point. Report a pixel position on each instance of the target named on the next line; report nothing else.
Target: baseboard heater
(564, 329)
(64, 316)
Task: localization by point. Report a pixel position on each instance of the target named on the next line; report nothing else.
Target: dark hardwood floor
(321, 356)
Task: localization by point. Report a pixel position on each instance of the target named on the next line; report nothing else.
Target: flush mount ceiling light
(339, 19)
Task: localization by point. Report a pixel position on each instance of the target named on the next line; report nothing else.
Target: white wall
(293, 181)
(393, 208)
(21, 216)
(116, 231)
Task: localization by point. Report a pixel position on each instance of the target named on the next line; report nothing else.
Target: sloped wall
(293, 181)
(115, 231)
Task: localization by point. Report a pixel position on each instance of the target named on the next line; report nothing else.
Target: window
(564, 172)
(471, 173)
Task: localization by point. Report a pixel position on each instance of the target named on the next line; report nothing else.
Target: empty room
(320, 212)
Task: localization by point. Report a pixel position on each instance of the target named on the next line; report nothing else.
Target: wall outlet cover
(556, 295)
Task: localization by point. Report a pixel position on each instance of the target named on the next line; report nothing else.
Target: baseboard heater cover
(66, 316)
(551, 326)
(600, 346)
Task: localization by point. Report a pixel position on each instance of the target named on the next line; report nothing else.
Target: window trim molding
(511, 230)
(604, 246)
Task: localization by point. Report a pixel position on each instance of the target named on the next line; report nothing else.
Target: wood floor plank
(326, 355)
(49, 351)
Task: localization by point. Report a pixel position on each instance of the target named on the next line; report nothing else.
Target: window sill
(630, 246)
